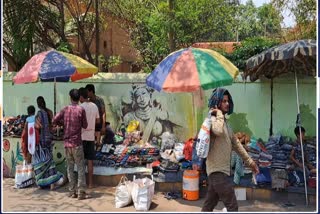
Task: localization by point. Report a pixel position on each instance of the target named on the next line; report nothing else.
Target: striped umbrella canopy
(54, 65)
(298, 56)
(190, 69)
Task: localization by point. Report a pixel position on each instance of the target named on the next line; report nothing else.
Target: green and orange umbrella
(191, 69)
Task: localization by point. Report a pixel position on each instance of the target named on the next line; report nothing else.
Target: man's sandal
(83, 196)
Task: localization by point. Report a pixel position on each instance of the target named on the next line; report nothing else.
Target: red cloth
(312, 182)
(24, 139)
(187, 150)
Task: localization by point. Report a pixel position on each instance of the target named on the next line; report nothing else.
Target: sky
(288, 20)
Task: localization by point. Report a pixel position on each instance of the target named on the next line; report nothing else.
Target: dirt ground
(42, 200)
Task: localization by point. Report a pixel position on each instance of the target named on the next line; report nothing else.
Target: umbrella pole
(54, 96)
(271, 109)
(304, 171)
(195, 121)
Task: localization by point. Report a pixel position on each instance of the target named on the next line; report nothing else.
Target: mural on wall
(5, 168)
(239, 123)
(141, 104)
(143, 107)
(6, 145)
(308, 121)
(59, 157)
(12, 156)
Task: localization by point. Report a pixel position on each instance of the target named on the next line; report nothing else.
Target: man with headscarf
(222, 141)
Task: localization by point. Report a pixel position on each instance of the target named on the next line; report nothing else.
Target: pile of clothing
(258, 152)
(311, 149)
(279, 147)
(13, 126)
(124, 156)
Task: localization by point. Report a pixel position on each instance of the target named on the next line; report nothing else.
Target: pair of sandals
(81, 196)
(172, 195)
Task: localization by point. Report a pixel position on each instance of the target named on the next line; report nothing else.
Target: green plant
(109, 62)
(65, 47)
(248, 48)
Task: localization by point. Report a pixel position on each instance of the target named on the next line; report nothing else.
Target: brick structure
(228, 47)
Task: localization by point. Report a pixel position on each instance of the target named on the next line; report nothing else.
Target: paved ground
(38, 200)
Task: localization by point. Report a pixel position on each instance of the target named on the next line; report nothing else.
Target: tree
(248, 48)
(248, 22)
(305, 14)
(270, 20)
(149, 23)
(83, 19)
(31, 26)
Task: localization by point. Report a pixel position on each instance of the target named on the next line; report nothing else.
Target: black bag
(169, 166)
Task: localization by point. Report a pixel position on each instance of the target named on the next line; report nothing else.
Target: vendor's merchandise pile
(13, 127)
(273, 159)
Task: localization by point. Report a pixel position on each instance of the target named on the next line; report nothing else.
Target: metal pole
(304, 171)
(194, 112)
(271, 109)
(55, 96)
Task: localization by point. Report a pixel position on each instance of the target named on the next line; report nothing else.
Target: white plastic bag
(123, 192)
(203, 143)
(178, 151)
(142, 193)
(24, 175)
(168, 140)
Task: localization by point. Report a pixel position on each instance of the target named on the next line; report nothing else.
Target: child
(24, 137)
(109, 135)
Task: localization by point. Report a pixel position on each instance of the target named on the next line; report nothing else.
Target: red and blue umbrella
(191, 69)
(54, 65)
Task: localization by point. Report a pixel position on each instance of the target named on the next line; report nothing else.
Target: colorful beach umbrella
(191, 69)
(54, 66)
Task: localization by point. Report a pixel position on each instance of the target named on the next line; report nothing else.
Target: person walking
(222, 141)
(73, 118)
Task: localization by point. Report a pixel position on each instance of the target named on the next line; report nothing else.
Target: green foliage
(109, 62)
(308, 120)
(248, 23)
(305, 15)
(248, 48)
(30, 26)
(270, 19)
(65, 47)
(261, 21)
(191, 21)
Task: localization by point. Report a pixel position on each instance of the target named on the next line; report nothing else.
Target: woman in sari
(44, 166)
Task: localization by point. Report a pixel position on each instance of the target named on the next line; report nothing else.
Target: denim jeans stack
(280, 149)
